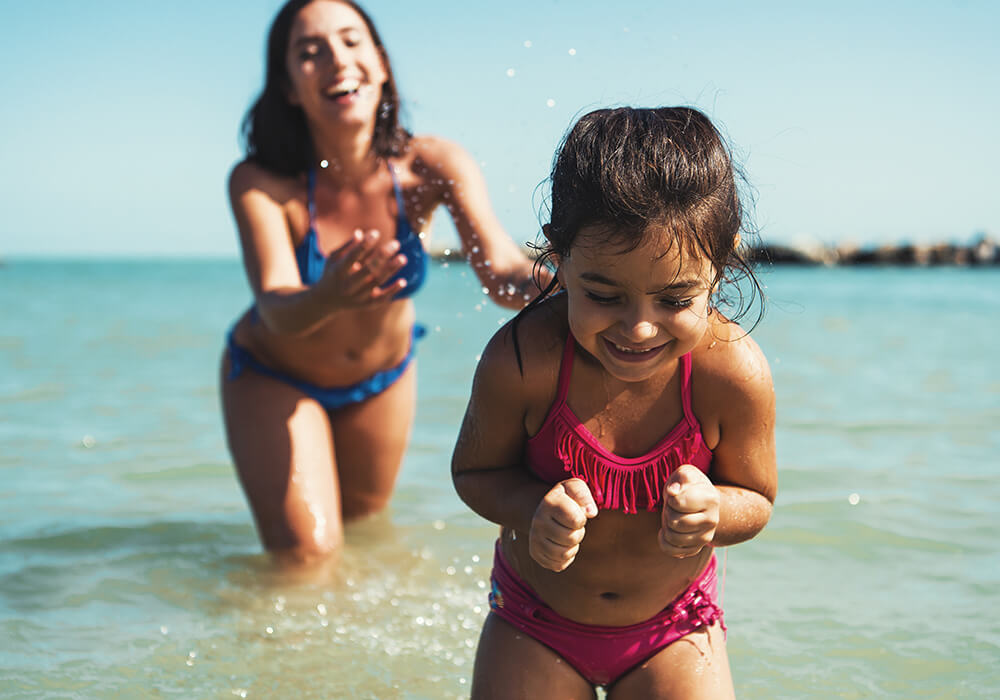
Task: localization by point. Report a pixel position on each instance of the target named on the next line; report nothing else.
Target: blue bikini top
(311, 261)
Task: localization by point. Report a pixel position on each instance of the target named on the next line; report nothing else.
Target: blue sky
(855, 121)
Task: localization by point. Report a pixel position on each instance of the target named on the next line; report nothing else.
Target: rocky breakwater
(983, 250)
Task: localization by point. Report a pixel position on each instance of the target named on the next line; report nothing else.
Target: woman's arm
(352, 276)
(501, 265)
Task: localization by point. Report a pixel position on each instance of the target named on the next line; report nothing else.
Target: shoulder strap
(565, 369)
(398, 191)
(685, 365)
(311, 197)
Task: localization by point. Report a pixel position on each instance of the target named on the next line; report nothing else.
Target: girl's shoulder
(527, 351)
(729, 363)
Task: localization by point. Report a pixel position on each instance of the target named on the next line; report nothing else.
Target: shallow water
(129, 567)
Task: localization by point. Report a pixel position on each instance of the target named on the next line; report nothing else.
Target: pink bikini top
(564, 448)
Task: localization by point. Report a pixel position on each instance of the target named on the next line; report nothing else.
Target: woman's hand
(690, 512)
(357, 274)
(559, 524)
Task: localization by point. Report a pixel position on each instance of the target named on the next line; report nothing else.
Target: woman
(318, 386)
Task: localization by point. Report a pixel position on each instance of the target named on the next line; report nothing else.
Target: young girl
(622, 429)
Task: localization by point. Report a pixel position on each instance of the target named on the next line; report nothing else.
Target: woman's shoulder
(248, 176)
(437, 157)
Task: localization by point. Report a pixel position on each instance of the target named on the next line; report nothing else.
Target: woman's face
(336, 71)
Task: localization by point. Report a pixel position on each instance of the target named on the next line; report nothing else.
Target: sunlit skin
(306, 470)
(633, 314)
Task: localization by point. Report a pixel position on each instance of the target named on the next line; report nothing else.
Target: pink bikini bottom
(601, 654)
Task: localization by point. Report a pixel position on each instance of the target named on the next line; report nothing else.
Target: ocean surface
(129, 566)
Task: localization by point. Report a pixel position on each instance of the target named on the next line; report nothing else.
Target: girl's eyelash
(601, 299)
(677, 303)
(671, 303)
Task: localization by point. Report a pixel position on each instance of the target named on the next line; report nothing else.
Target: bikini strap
(685, 366)
(565, 370)
(398, 191)
(311, 197)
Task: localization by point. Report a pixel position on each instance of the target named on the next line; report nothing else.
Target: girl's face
(636, 312)
(336, 71)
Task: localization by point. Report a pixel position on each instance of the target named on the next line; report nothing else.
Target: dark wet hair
(627, 169)
(275, 133)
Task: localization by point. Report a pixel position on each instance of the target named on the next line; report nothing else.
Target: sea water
(130, 568)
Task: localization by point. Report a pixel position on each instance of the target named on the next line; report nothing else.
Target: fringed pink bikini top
(564, 448)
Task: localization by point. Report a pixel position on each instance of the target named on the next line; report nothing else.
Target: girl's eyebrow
(679, 285)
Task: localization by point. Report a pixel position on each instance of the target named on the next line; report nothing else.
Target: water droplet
(854, 499)
(438, 524)
(527, 44)
(324, 163)
(321, 609)
(550, 102)
(164, 630)
(269, 630)
(572, 52)
(510, 72)
(88, 441)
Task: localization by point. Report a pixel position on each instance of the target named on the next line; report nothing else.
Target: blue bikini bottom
(330, 398)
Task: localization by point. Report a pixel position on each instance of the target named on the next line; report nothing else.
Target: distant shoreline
(983, 251)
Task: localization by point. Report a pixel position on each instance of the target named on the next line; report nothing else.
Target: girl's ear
(736, 241)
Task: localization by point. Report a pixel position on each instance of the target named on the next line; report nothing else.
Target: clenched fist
(558, 525)
(690, 512)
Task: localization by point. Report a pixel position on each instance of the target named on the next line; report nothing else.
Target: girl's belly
(346, 350)
(619, 577)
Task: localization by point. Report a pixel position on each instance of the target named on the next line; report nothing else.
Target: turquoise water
(129, 567)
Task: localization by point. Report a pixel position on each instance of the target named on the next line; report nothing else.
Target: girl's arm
(488, 470)
(744, 468)
(352, 275)
(487, 464)
(502, 267)
(734, 395)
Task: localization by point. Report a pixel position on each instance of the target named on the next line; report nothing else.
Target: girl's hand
(690, 512)
(355, 273)
(558, 524)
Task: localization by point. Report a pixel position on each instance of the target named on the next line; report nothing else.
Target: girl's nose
(639, 330)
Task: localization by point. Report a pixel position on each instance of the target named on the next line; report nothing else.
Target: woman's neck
(345, 156)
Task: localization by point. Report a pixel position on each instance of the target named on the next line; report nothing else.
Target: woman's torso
(354, 344)
(619, 576)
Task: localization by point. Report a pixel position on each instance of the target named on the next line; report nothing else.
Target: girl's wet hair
(627, 172)
(274, 131)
